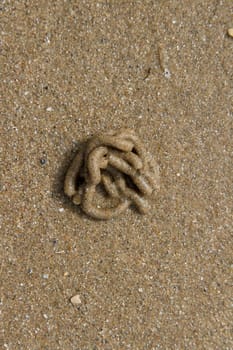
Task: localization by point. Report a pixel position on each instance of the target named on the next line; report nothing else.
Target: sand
(70, 69)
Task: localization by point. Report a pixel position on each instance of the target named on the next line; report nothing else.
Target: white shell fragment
(75, 300)
(230, 32)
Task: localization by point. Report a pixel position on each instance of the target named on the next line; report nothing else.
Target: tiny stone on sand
(230, 32)
(43, 161)
(167, 73)
(75, 300)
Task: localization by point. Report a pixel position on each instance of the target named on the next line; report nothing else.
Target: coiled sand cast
(116, 166)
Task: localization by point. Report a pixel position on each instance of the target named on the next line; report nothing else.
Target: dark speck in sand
(43, 161)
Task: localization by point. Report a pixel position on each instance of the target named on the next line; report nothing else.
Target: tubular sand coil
(118, 162)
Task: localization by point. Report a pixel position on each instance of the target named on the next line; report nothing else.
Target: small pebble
(54, 241)
(230, 32)
(43, 161)
(45, 276)
(49, 109)
(167, 73)
(61, 210)
(75, 300)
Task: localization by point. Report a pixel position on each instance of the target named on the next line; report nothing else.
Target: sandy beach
(69, 70)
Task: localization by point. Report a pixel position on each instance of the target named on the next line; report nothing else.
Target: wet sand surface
(70, 69)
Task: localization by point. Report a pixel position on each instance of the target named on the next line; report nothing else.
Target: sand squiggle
(118, 162)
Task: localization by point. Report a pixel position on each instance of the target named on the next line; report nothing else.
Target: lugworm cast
(72, 174)
(95, 162)
(101, 213)
(117, 162)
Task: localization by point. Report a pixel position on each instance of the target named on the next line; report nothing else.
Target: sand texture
(69, 70)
